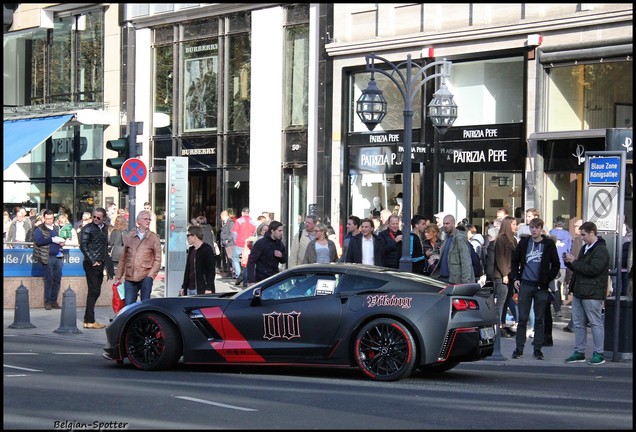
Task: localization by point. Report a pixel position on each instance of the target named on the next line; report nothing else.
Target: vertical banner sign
(176, 222)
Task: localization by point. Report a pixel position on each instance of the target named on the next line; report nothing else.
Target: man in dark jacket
(366, 247)
(535, 263)
(589, 286)
(267, 253)
(392, 240)
(200, 271)
(94, 246)
(48, 251)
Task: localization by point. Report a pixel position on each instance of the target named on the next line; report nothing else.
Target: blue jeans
(529, 293)
(236, 260)
(131, 290)
(584, 311)
(52, 279)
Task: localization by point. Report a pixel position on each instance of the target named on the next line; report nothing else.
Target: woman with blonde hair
(430, 248)
(321, 250)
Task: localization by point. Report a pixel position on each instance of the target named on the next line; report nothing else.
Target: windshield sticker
(325, 287)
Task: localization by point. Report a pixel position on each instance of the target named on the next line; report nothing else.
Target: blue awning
(22, 136)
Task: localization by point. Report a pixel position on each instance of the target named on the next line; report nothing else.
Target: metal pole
(406, 262)
(132, 194)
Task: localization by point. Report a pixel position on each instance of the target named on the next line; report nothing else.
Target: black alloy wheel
(152, 342)
(385, 350)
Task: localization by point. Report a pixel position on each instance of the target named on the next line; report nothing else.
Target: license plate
(487, 332)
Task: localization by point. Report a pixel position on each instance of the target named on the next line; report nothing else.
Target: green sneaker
(597, 359)
(576, 357)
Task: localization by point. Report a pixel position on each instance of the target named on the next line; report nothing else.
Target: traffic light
(121, 146)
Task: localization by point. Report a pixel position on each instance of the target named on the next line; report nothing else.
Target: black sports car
(383, 321)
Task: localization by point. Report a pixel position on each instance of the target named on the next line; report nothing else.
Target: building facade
(537, 85)
(260, 98)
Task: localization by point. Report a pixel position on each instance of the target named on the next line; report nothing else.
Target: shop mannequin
(377, 207)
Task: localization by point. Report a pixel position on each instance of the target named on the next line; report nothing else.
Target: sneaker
(530, 333)
(47, 306)
(576, 357)
(597, 359)
(568, 329)
(538, 354)
(517, 354)
(509, 331)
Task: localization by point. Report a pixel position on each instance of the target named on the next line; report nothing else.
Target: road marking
(21, 368)
(21, 353)
(215, 403)
(73, 353)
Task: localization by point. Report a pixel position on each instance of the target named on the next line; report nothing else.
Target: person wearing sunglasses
(94, 246)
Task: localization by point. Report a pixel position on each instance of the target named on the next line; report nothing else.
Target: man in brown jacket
(140, 260)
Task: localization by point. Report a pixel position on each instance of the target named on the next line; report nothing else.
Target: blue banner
(19, 263)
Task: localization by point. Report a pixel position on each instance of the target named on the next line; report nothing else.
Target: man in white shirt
(366, 247)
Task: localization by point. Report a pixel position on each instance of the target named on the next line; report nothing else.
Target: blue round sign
(133, 171)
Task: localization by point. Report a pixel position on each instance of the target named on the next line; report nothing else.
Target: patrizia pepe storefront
(479, 170)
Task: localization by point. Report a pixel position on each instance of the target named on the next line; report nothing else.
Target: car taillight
(460, 304)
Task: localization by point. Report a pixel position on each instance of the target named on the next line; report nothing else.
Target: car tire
(385, 350)
(152, 342)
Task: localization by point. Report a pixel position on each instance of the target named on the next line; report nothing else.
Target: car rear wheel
(152, 342)
(385, 350)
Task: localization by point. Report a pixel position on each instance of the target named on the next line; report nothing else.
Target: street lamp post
(371, 108)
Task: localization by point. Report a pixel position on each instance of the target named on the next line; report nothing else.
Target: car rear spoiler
(469, 289)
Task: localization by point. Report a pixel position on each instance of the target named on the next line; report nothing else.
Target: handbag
(118, 300)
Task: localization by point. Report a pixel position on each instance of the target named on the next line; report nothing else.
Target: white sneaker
(530, 333)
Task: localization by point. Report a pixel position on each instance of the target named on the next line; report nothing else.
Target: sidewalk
(46, 322)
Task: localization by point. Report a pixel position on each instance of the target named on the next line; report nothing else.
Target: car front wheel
(152, 342)
(385, 350)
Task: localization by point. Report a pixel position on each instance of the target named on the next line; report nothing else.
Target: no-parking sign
(133, 171)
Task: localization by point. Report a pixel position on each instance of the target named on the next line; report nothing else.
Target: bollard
(22, 319)
(496, 353)
(68, 319)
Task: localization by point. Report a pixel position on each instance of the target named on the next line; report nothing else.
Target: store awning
(23, 135)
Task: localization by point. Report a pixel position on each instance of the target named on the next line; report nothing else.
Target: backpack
(489, 264)
(476, 261)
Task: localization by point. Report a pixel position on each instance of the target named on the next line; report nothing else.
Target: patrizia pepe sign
(482, 148)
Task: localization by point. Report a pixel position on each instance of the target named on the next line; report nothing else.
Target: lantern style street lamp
(371, 108)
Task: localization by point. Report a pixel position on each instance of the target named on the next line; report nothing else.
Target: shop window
(200, 98)
(588, 96)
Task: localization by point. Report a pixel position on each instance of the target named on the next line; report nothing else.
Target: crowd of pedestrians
(535, 272)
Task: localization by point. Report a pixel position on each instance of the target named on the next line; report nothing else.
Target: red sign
(133, 172)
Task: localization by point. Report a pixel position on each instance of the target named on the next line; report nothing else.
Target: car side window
(299, 286)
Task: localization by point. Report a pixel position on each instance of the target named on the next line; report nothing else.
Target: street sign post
(604, 204)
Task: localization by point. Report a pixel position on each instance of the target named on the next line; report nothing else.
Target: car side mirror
(256, 297)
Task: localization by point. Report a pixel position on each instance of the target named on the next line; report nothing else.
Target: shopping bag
(118, 302)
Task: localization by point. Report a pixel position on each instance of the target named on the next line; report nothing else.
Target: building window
(200, 96)
(296, 67)
(585, 96)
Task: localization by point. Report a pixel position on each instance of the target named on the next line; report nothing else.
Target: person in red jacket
(243, 228)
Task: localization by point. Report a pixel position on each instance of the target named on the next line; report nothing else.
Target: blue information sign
(604, 170)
